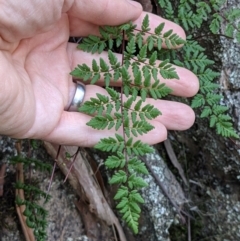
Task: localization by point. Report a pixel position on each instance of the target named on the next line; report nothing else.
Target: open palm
(36, 59)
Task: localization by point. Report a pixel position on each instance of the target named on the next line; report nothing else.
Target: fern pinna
(193, 16)
(35, 214)
(126, 110)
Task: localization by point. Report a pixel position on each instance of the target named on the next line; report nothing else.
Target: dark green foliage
(130, 115)
(95, 44)
(193, 15)
(39, 165)
(232, 30)
(111, 144)
(169, 38)
(28, 189)
(36, 215)
(102, 103)
(135, 165)
(144, 71)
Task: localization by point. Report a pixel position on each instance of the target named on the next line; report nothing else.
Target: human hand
(36, 59)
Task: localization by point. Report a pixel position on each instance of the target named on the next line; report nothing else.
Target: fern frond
(145, 24)
(167, 54)
(135, 196)
(229, 31)
(158, 30)
(138, 148)
(93, 44)
(130, 211)
(150, 42)
(121, 192)
(102, 103)
(215, 24)
(95, 105)
(82, 71)
(135, 182)
(95, 72)
(219, 109)
(35, 215)
(203, 10)
(206, 75)
(115, 161)
(198, 101)
(138, 128)
(130, 49)
(167, 70)
(113, 60)
(207, 111)
(189, 19)
(169, 38)
(146, 112)
(28, 189)
(35, 163)
(172, 39)
(139, 39)
(143, 76)
(213, 99)
(192, 45)
(119, 177)
(142, 56)
(159, 90)
(107, 121)
(225, 127)
(111, 144)
(135, 165)
(208, 86)
(232, 14)
(153, 58)
(196, 60)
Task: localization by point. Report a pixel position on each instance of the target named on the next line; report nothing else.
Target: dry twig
(28, 232)
(174, 160)
(82, 179)
(2, 176)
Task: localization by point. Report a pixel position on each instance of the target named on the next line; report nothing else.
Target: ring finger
(73, 129)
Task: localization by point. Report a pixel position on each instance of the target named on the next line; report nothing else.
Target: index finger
(155, 21)
(80, 27)
(105, 12)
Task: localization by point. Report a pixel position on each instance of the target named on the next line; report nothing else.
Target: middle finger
(186, 86)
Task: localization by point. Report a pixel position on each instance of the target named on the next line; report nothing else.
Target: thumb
(106, 12)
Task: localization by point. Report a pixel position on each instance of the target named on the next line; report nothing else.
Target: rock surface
(211, 164)
(64, 222)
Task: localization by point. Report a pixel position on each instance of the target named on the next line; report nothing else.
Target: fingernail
(135, 4)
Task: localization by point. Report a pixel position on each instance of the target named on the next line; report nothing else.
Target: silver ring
(78, 97)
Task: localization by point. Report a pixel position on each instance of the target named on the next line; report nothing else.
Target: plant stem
(122, 109)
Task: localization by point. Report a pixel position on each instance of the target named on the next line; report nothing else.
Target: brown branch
(2, 176)
(82, 179)
(28, 232)
(174, 160)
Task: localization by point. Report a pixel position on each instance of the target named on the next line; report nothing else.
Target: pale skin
(36, 59)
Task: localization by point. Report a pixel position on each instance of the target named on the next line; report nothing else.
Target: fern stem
(230, 22)
(73, 161)
(122, 109)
